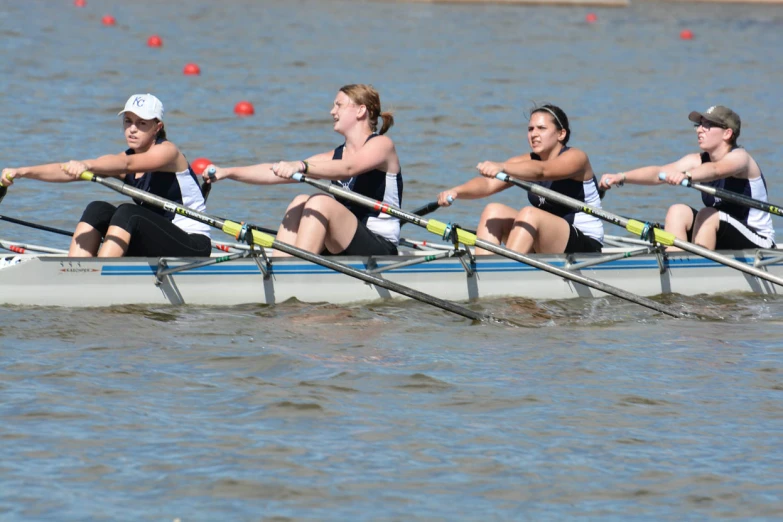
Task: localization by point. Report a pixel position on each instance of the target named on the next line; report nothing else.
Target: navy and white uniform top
(380, 186)
(586, 191)
(180, 187)
(758, 221)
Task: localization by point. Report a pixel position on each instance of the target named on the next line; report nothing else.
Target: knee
(125, 216)
(492, 210)
(527, 215)
(298, 201)
(679, 211)
(320, 202)
(98, 214)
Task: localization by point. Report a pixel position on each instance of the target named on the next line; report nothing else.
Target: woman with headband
(542, 227)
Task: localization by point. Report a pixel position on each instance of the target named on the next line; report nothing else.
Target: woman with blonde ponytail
(365, 163)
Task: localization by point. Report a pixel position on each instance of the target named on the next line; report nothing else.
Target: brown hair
(161, 135)
(365, 94)
(558, 117)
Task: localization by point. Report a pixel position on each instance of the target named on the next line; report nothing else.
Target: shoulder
(380, 140)
(574, 154)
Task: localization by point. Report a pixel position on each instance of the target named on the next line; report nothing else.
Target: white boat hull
(49, 280)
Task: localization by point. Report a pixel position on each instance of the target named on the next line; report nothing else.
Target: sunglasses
(708, 125)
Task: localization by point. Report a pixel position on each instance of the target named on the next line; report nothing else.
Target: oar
(728, 195)
(34, 225)
(467, 238)
(262, 239)
(3, 191)
(646, 231)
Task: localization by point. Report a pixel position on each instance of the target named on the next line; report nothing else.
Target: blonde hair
(365, 94)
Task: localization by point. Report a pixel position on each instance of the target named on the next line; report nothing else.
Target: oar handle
(211, 171)
(685, 183)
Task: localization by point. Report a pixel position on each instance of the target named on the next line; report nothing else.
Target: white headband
(550, 111)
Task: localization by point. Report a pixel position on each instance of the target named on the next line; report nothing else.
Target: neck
(551, 153)
(719, 152)
(357, 136)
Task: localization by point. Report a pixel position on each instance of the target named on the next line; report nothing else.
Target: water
(390, 411)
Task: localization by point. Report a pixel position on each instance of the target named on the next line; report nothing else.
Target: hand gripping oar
(728, 195)
(245, 232)
(646, 231)
(467, 238)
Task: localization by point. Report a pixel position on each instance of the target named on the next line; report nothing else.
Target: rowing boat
(56, 280)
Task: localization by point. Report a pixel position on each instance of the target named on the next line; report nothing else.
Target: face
(345, 112)
(139, 133)
(709, 134)
(542, 133)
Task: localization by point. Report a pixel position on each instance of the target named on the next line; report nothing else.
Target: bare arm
(649, 175)
(260, 174)
(476, 188)
(572, 163)
(50, 172)
(734, 164)
(378, 153)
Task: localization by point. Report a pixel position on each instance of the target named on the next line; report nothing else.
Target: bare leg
(325, 223)
(679, 221)
(495, 225)
(86, 241)
(289, 227)
(116, 242)
(537, 230)
(705, 228)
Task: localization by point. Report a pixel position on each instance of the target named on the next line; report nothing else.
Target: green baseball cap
(719, 115)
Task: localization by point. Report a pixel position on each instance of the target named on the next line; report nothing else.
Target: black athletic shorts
(368, 243)
(152, 235)
(580, 243)
(734, 235)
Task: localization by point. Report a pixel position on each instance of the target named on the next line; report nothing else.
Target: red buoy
(591, 18)
(154, 41)
(199, 164)
(79, 3)
(108, 20)
(686, 34)
(191, 69)
(244, 108)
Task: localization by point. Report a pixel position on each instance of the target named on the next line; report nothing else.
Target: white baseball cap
(145, 106)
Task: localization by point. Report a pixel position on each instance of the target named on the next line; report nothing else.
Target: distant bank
(600, 3)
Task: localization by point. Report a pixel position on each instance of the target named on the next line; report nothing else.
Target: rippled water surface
(592, 409)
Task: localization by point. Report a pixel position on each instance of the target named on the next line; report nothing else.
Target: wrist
(623, 178)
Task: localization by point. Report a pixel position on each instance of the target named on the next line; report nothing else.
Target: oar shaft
(638, 228)
(266, 240)
(733, 197)
(470, 239)
(34, 225)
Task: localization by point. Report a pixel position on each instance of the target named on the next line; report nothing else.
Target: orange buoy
(199, 164)
(686, 34)
(154, 41)
(191, 69)
(108, 20)
(79, 3)
(244, 108)
(591, 18)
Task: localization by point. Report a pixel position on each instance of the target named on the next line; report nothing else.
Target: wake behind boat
(445, 273)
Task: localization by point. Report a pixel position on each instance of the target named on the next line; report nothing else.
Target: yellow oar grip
(463, 236)
(259, 238)
(661, 236)
(86, 175)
